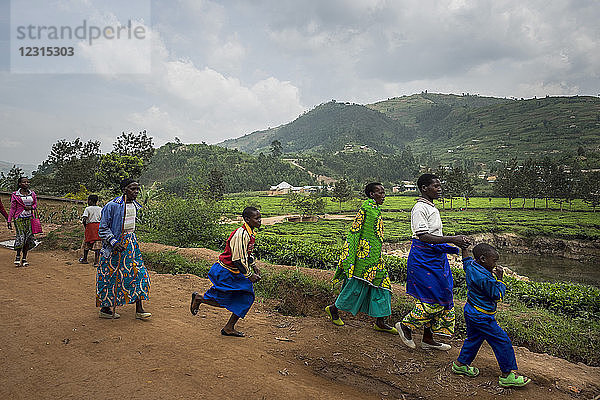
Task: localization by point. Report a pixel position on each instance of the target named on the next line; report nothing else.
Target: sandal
(82, 261)
(467, 370)
(193, 310)
(513, 380)
(338, 321)
(390, 330)
(24, 263)
(17, 261)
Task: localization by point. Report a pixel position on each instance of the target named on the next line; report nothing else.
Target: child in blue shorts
(484, 289)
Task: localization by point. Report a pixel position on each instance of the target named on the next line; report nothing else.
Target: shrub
(181, 222)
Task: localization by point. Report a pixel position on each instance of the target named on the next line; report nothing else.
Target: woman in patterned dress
(366, 286)
(122, 277)
(22, 203)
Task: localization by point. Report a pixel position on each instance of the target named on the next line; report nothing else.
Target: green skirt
(358, 296)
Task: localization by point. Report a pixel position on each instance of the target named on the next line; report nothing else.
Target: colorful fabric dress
(231, 287)
(121, 277)
(24, 239)
(366, 285)
(428, 275)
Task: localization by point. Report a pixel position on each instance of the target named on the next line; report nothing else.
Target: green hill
(488, 129)
(184, 168)
(447, 127)
(330, 127)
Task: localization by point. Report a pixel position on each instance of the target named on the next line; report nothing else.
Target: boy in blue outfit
(484, 289)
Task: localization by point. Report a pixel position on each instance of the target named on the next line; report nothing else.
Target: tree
(276, 148)
(341, 192)
(306, 205)
(114, 168)
(9, 182)
(139, 145)
(216, 185)
(590, 190)
(70, 165)
(508, 183)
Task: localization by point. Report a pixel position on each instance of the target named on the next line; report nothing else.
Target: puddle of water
(553, 269)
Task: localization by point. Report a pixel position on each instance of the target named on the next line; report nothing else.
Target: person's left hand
(254, 278)
(498, 271)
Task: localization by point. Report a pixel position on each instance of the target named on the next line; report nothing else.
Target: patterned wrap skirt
(24, 238)
(122, 276)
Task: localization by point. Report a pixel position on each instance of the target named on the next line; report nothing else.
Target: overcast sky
(221, 69)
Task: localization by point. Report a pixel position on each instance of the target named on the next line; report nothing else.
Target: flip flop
(467, 370)
(234, 334)
(391, 330)
(338, 321)
(513, 380)
(194, 311)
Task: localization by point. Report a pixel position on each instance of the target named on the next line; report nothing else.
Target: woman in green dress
(366, 286)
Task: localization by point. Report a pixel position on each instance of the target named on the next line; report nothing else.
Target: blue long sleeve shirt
(111, 223)
(484, 291)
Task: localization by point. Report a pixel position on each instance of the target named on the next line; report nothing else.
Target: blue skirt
(232, 291)
(428, 274)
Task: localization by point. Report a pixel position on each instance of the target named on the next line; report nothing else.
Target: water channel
(553, 268)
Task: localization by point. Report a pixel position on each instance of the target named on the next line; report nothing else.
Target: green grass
(567, 225)
(276, 205)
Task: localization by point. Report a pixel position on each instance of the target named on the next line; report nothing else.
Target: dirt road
(54, 346)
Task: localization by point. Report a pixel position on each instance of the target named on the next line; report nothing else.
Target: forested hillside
(329, 127)
(486, 129)
(187, 167)
(447, 128)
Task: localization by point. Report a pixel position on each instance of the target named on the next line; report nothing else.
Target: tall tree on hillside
(70, 165)
(8, 182)
(139, 145)
(115, 167)
(276, 148)
(341, 192)
(215, 185)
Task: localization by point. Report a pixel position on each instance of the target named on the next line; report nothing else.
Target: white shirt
(425, 218)
(92, 213)
(129, 225)
(28, 201)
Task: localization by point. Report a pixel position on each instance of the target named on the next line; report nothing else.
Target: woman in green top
(366, 286)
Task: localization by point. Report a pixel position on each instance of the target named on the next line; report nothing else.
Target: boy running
(233, 275)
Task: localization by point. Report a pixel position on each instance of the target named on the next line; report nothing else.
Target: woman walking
(22, 203)
(429, 278)
(122, 277)
(366, 286)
